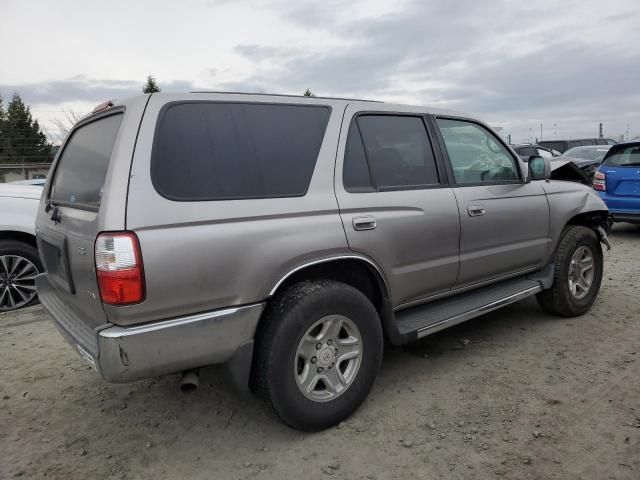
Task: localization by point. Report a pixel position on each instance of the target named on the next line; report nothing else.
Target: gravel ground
(516, 394)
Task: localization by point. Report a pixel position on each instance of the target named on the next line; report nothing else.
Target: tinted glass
(355, 172)
(559, 146)
(573, 143)
(216, 151)
(82, 168)
(398, 150)
(476, 155)
(601, 141)
(526, 151)
(587, 153)
(624, 157)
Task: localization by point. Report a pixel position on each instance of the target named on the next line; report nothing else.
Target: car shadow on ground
(506, 326)
(626, 231)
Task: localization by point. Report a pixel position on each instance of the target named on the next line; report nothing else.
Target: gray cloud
(574, 63)
(81, 88)
(470, 51)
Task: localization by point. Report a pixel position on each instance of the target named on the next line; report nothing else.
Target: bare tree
(64, 125)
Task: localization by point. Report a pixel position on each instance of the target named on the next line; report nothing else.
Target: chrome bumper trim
(143, 351)
(124, 354)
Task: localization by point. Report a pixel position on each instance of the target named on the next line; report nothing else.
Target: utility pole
(509, 139)
(540, 131)
(600, 135)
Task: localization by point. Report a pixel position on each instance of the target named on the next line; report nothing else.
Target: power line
(28, 129)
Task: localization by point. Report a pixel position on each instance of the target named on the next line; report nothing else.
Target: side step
(417, 322)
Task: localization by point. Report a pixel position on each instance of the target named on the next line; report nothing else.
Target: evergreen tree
(151, 86)
(21, 139)
(308, 93)
(2, 128)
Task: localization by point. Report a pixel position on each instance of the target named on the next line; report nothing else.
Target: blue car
(618, 181)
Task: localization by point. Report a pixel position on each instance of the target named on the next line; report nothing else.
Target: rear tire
(578, 273)
(19, 263)
(318, 351)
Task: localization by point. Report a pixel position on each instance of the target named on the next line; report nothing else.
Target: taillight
(599, 182)
(119, 268)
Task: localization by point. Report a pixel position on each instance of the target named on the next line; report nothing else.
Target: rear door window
(221, 151)
(80, 175)
(356, 174)
(387, 152)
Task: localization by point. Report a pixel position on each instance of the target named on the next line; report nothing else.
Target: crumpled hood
(565, 169)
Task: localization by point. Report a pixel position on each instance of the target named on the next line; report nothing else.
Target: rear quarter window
(221, 151)
(81, 171)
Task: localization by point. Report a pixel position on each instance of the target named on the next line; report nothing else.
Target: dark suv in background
(564, 145)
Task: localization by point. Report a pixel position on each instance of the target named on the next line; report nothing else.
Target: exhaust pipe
(190, 380)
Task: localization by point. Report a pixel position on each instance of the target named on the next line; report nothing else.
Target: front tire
(578, 273)
(318, 351)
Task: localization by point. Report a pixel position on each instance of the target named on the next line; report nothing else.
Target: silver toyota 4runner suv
(289, 237)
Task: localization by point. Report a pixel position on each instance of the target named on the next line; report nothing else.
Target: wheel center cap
(325, 356)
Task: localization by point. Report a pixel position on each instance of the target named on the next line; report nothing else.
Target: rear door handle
(476, 210)
(364, 223)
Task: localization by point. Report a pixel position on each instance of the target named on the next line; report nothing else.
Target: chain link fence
(13, 172)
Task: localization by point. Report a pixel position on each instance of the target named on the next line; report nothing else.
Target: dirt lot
(515, 394)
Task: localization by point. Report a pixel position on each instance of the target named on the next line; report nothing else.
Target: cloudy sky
(566, 64)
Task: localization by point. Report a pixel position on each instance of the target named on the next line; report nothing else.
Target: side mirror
(539, 168)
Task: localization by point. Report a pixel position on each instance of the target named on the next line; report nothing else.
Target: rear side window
(82, 168)
(219, 151)
(623, 157)
(387, 151)
(356, 174)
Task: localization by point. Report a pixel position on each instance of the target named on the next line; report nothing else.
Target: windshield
(625, 157)
(587, 153)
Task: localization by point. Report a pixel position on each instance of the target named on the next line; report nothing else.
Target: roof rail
(285, 95)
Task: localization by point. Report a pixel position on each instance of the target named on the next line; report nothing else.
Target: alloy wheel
(581, 272)
(328, 358)
(17, 282)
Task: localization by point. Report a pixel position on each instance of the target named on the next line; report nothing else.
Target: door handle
(476, 210)
(364, 223)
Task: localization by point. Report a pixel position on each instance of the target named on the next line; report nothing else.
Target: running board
(417, 322)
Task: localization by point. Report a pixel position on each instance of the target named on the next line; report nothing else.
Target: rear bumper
(622, 208)
(628, 217)
(124, 354)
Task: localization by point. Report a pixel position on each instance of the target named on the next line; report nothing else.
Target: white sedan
(19, 259)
